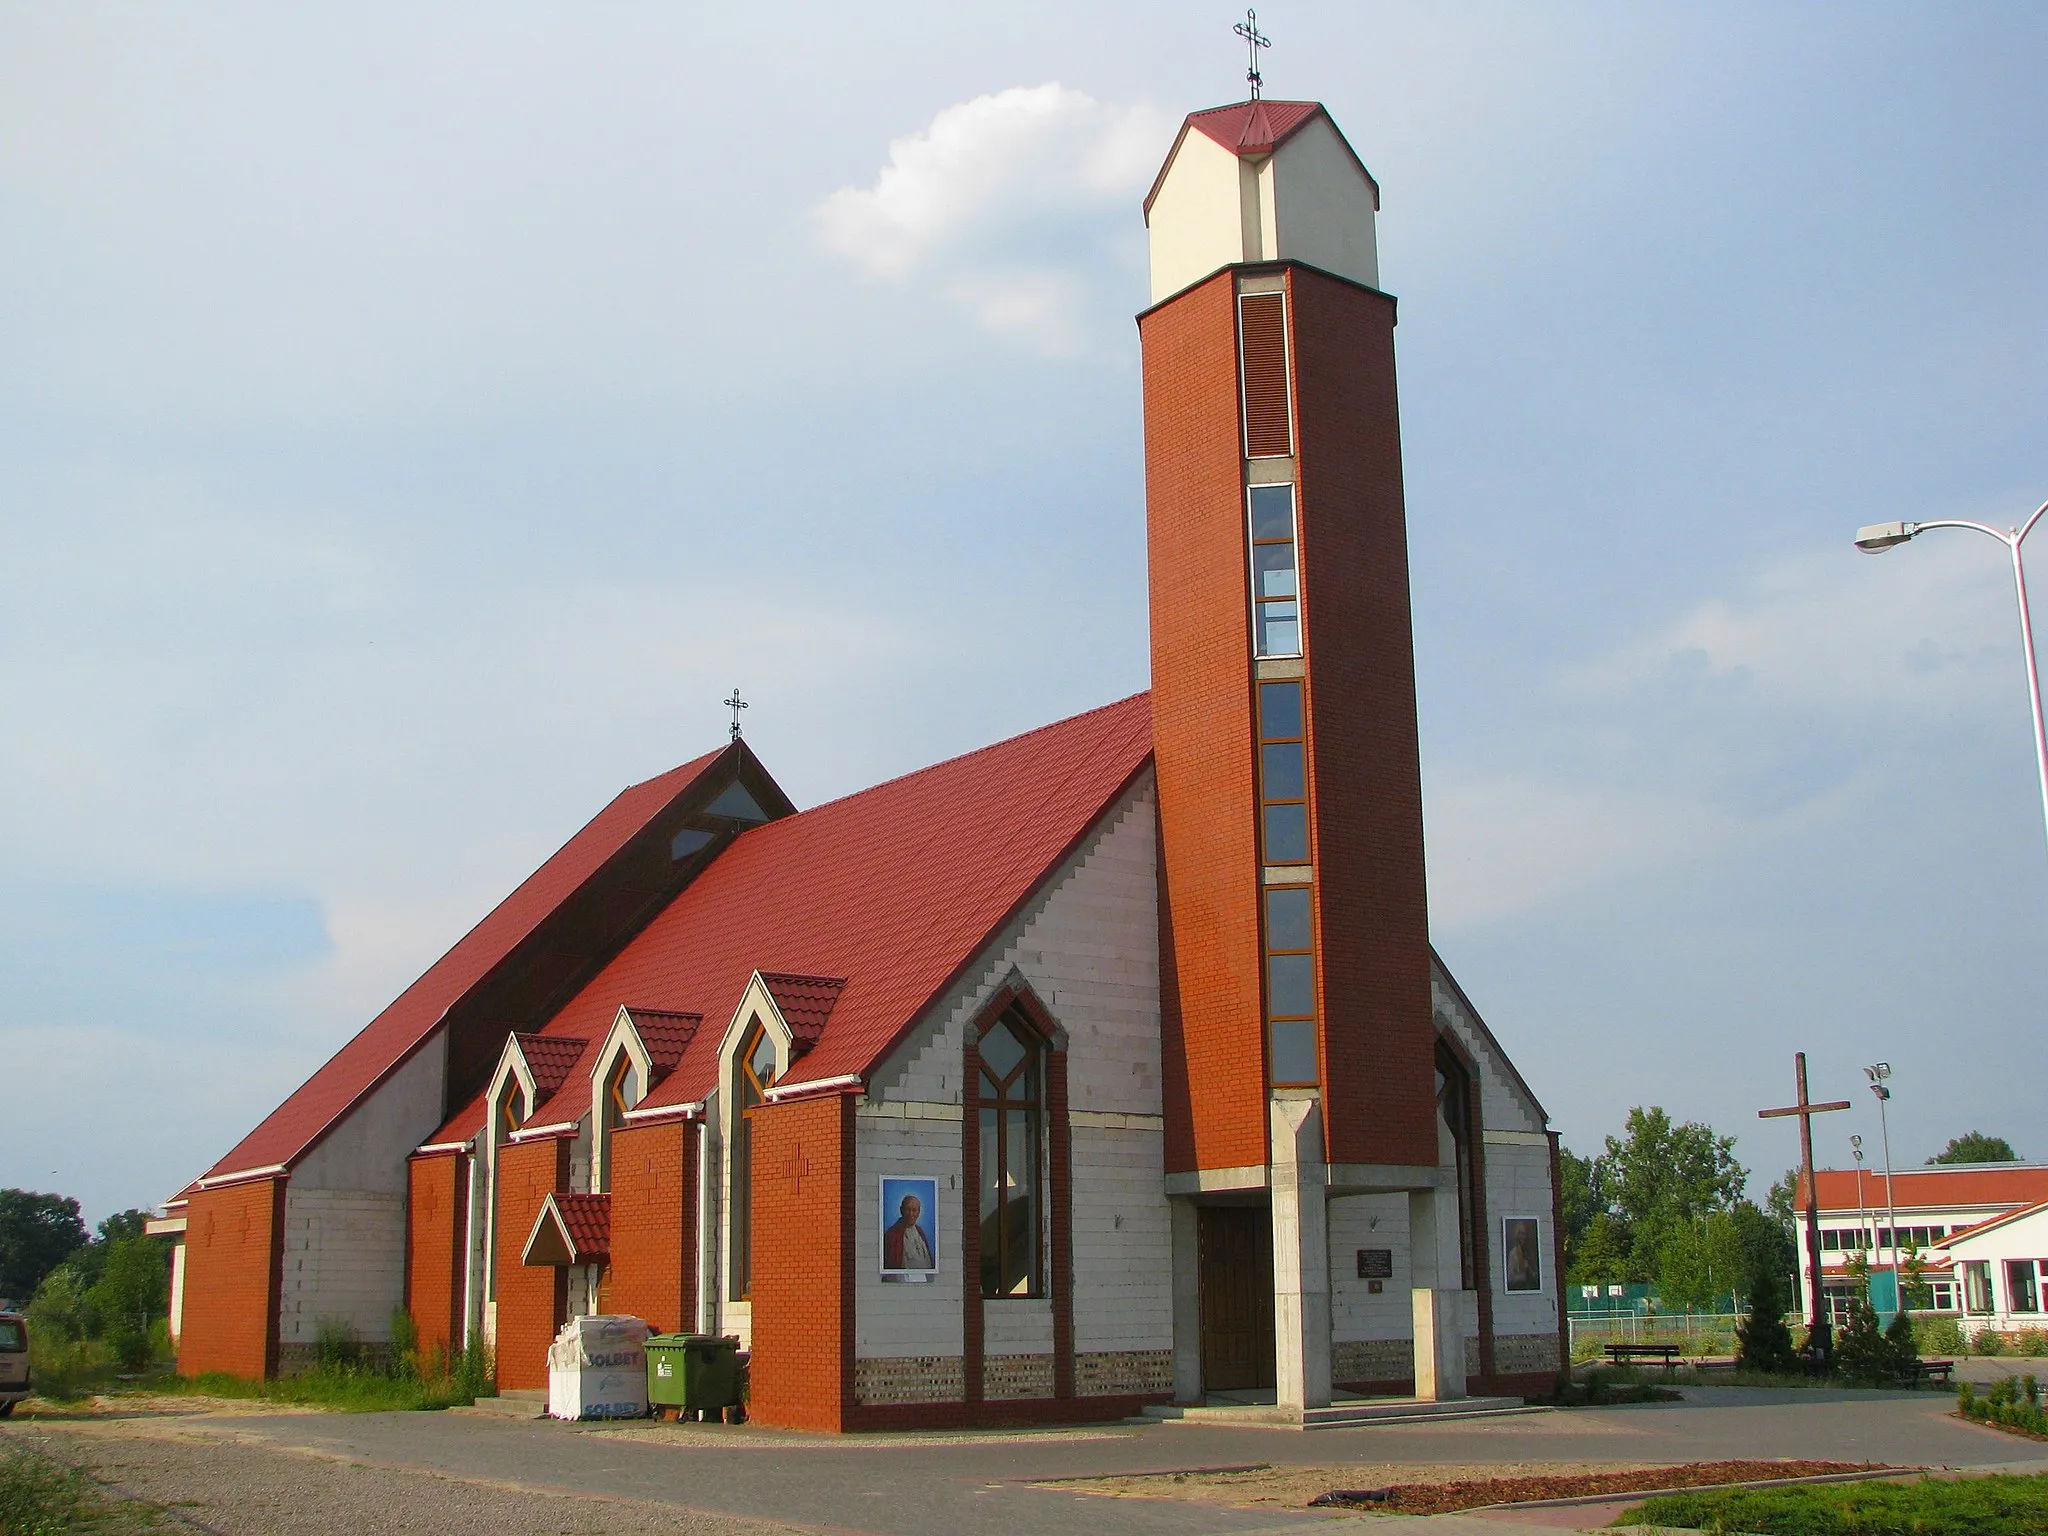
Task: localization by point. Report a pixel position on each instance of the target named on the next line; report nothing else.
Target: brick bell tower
(1299, 1042)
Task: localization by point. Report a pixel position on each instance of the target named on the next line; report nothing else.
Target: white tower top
(1261, 181)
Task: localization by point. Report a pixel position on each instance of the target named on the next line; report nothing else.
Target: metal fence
(1695, 1333)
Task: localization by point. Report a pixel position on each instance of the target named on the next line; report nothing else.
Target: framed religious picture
(1522, 1251)
(910, 1229)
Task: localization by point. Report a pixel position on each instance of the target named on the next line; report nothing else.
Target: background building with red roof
(1104, 1067)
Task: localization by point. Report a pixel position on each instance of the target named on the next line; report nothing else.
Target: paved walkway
(744, 1480)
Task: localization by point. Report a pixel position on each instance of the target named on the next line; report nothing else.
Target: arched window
(751, 1081)
(612, 1105)
(1012, 1093)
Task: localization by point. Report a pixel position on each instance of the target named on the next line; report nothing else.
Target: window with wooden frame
(612, 1105)
(753, 1075)
(1012, 1112)
(1283, 774)
(1291, 987)
(1276, 585)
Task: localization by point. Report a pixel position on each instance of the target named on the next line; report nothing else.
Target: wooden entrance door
(1237, 1297)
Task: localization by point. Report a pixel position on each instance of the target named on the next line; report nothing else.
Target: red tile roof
(295, 1126)
(1254, 127)
(1997, 1221)
(805, 1002)
(666, 1036)
(1921, 1189)
(550, 1059)
(896, 888)
(584, 1224)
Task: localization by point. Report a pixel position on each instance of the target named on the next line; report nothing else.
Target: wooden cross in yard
(1817, 1322)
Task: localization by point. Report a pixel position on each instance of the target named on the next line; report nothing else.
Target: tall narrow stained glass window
(754, 1073)
(1012, 1093)
(1276, 594)
(1283, 775)
(612, 1107)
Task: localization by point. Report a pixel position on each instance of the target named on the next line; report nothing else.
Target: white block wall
(1518, 1184)
(344, 1259)
(344, 1208)
(1369, 1221)
(1088, 946)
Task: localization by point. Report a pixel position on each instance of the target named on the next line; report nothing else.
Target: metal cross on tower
(735, 704)
(1254, 40)
(1817, 1313)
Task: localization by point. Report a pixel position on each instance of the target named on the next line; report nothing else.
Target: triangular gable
(1970, 1233)
(567, 913)
(570, 1229)
(1250, 130)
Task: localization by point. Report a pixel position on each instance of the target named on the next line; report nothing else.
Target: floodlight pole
(1879, 537)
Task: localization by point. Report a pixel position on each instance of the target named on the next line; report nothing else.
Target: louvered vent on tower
(1262, 344)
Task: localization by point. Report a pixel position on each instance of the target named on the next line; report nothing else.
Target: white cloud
(1010, 202)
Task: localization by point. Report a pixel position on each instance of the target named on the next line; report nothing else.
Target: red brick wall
(653, 1273)
(531, 1302)
(803, 1214)
(234, 1257)
(436, 1219)
(1365, 774)
(1210, 1012)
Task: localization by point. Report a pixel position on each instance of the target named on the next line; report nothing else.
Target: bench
(1932, 1370)
(1622, 1354)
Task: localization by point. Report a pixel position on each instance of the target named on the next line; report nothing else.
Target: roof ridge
(961, 757)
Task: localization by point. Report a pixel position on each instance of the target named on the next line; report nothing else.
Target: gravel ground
(215, 1482)
(1291, 1487)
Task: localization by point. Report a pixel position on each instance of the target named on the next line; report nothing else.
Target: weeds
(346, 1378)
(41, 1497)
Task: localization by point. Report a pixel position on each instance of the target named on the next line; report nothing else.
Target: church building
(1102, 1068)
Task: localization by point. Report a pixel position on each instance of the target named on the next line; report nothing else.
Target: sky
(415, 419)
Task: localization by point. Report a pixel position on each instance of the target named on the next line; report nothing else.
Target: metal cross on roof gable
(1254, 40)
(735, 704)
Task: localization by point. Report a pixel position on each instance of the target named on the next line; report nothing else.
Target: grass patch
(41, 1497)
(342, 1389)
(1976, 1506)
(1611, 1388)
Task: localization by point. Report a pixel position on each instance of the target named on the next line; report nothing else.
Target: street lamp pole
(1877, 1074)
(1879, 537)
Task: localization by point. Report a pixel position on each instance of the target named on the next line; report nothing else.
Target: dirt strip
(1392, 1488)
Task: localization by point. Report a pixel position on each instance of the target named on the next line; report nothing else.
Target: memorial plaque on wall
(1375, 1263)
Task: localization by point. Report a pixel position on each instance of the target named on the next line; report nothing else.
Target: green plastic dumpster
(693, 1371)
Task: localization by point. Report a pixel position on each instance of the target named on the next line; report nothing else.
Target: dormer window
(612, 1105)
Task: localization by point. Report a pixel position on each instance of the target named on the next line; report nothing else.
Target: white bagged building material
(597, 1369)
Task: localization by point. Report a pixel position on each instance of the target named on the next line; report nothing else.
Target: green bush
(1938, 1335)
(2033, 1343)
(1899, 1343)
(1988, 1341)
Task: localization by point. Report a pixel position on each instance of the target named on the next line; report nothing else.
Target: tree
(1660, 1178)
(1862, 1353)
(1602, 1256)
(1975, 1147)
(37, 1233)
(1700, 1262)
(1767, 1249)
(1578, 1199)
(1783, 1204)
(1762, 1341)
(133, 1290)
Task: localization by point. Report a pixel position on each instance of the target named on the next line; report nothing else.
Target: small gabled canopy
(570, 1229)
(805, 1003)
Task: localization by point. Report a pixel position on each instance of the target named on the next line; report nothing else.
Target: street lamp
(1879, 537)
(1877, 1075)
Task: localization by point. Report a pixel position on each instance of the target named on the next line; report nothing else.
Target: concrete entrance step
(522, 1403)
(1345, 1413)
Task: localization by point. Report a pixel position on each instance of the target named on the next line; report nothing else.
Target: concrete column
(1187, 1302)
(1438, 1303)
(1301, 1254)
